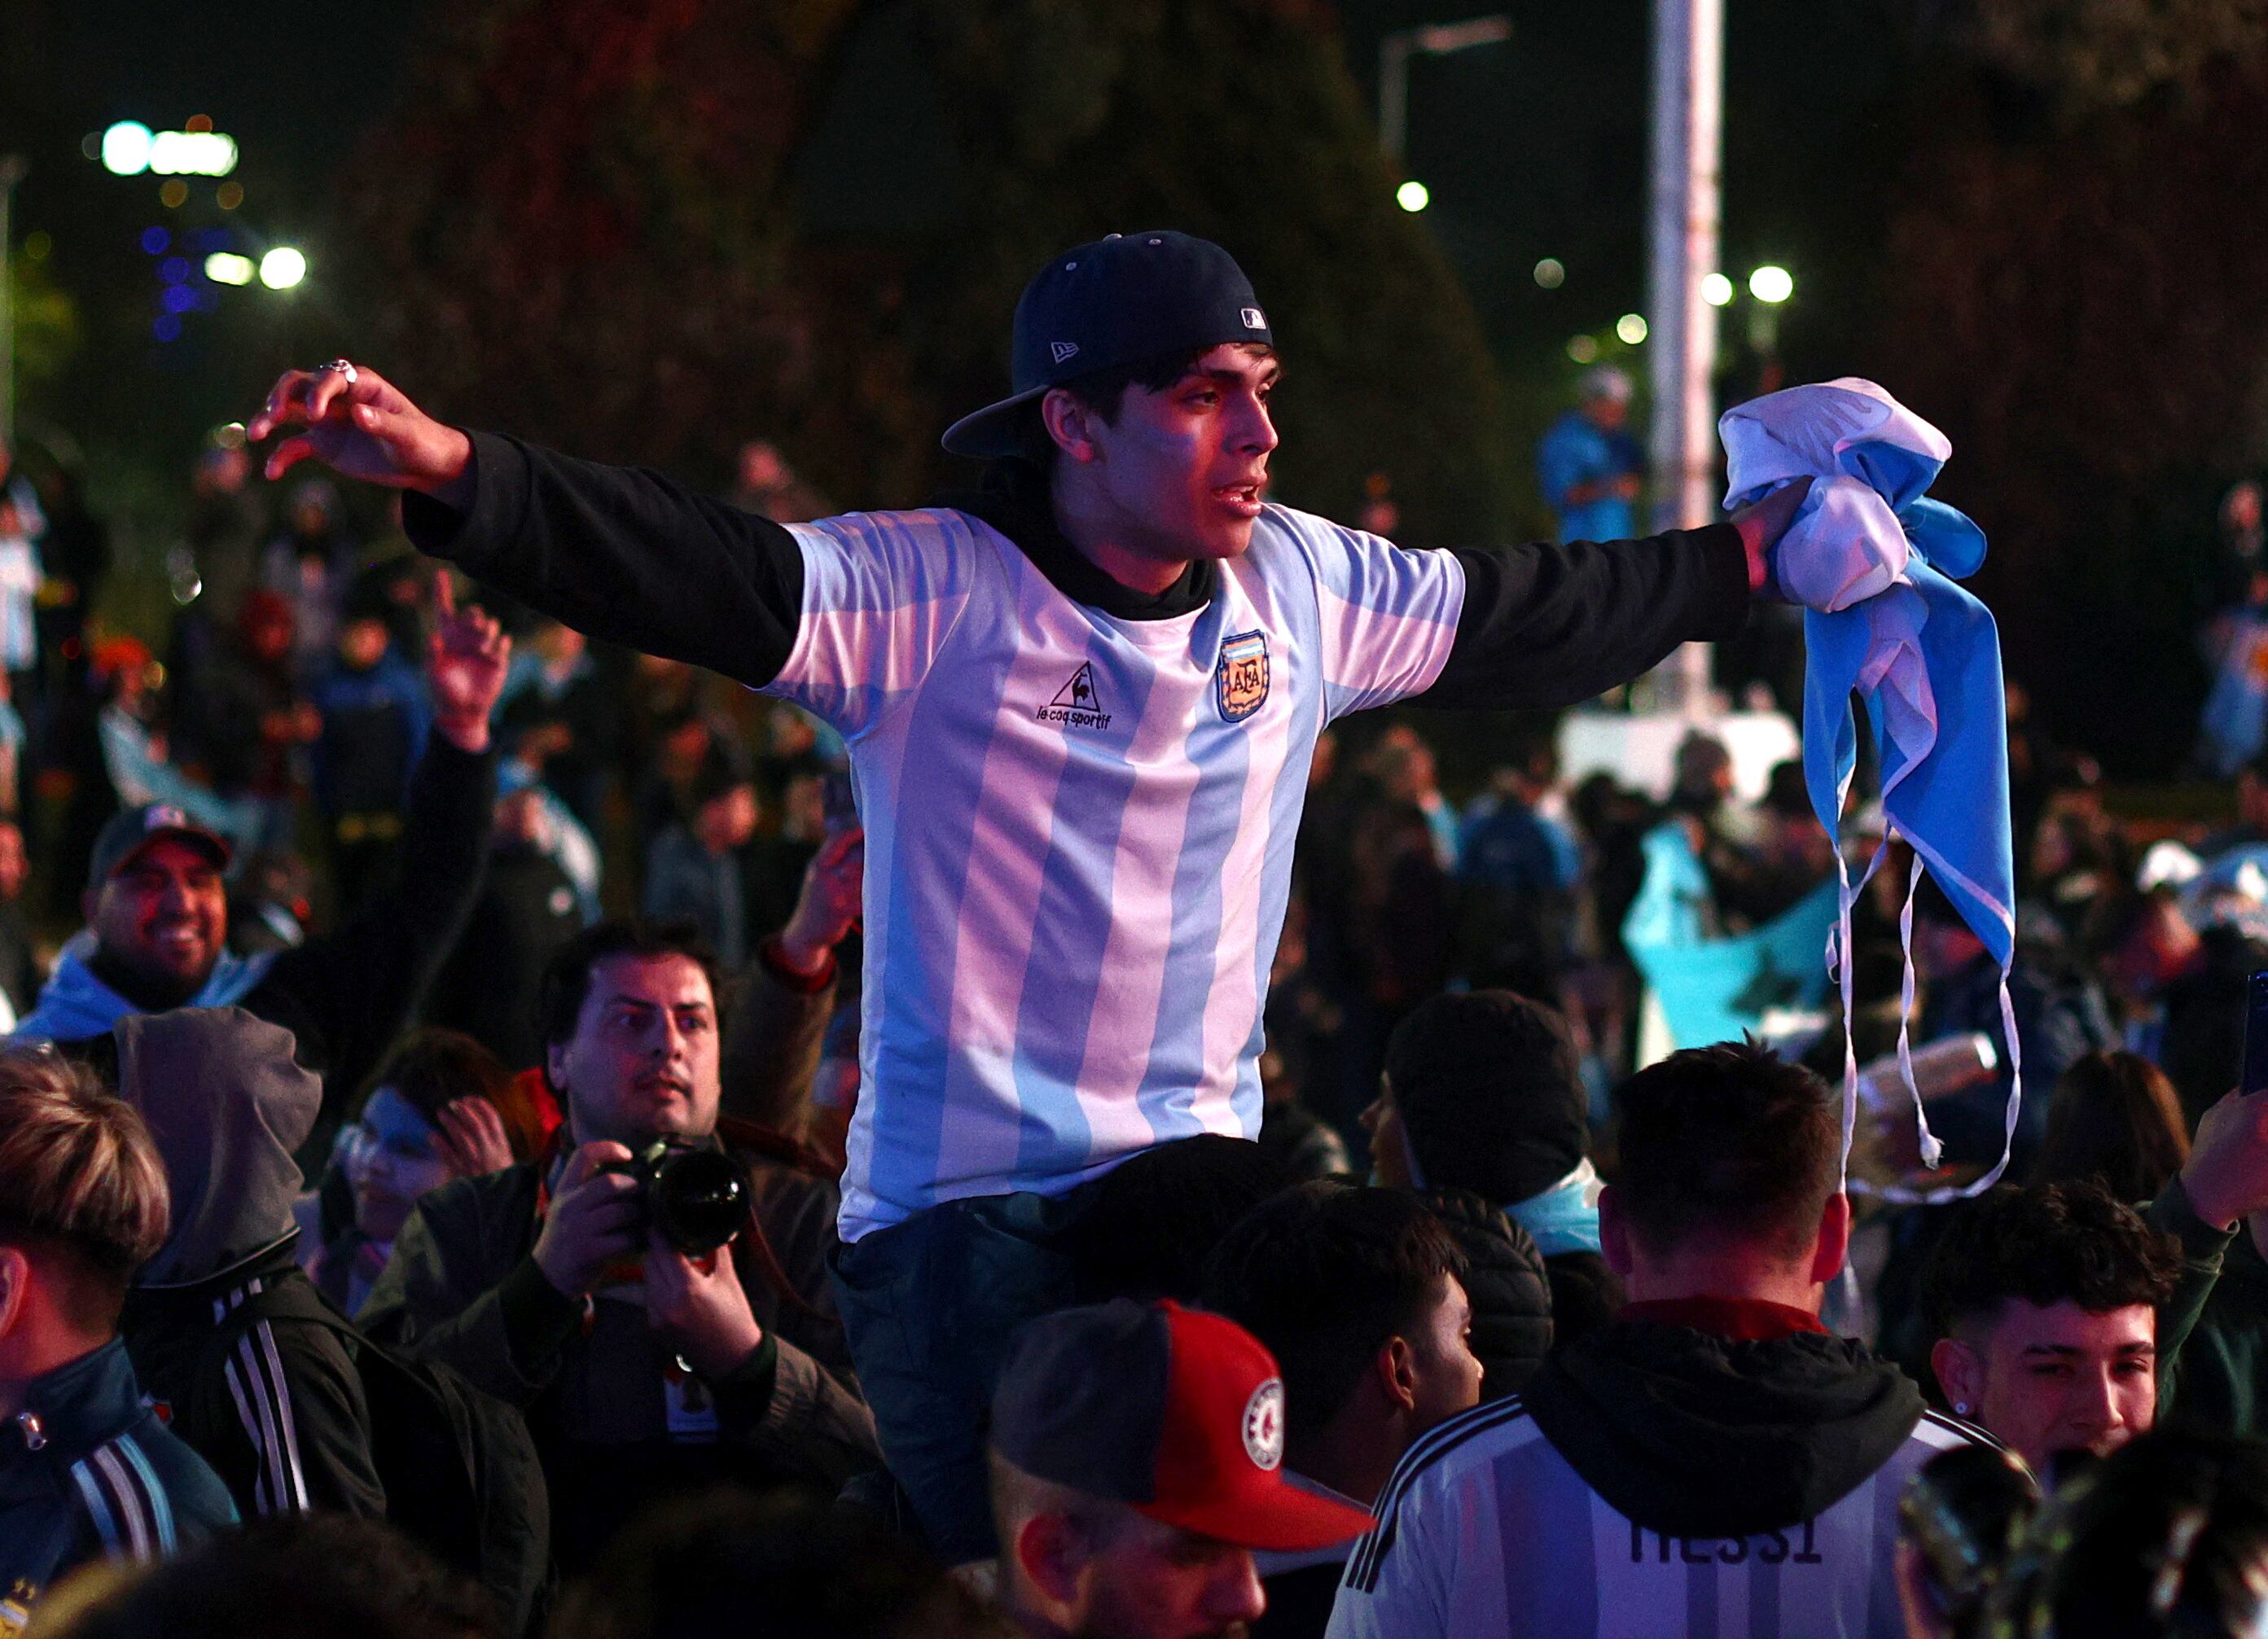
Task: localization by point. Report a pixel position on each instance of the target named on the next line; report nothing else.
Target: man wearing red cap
(1137, 1464)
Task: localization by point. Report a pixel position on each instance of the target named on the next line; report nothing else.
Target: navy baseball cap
(1114, 302)
(1177, 1414)
(130, 830)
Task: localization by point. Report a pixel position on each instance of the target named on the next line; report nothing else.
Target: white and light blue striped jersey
(1078, 831)
(1486, 1530)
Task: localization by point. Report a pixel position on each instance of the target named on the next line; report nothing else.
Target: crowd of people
(1050, 1124)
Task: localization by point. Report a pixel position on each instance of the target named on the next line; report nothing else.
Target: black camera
(694, 1194)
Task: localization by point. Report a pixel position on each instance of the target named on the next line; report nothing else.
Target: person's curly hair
(2045, 1245)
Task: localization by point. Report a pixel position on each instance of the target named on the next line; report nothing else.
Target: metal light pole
(12, 168)
(1434, 39)
(1688, 83)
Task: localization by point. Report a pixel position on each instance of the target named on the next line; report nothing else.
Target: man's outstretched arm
(1552, 625)
(621, 554)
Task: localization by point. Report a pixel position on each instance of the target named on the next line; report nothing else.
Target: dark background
(649, 228)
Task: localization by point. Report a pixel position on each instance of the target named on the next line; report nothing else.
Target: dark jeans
(929, 1306)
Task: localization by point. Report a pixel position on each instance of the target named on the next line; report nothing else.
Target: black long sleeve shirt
(631, 556)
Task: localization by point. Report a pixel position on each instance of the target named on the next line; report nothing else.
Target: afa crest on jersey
(1242, 678)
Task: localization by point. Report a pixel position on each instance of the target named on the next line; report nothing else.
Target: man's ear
(1050, 1552)
(15, 1287)
(1070, 425)
(1834, 1244)
(1395, 1367)
(555, 1072)
(1614, 1232)
(1960, 1371)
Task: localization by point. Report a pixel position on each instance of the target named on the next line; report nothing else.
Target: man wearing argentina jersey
(1712, 1461)
(87, 1472)
(1080, 705)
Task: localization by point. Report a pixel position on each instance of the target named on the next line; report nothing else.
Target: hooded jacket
(215, 1322)
(1716, 1467)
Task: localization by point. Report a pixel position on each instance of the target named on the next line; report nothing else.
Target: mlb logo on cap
(129, 831)
(1177, 1414)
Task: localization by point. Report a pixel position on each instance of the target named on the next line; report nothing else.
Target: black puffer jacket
(1504, 1278)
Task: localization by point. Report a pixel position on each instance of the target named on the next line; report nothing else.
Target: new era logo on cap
(1064, 350)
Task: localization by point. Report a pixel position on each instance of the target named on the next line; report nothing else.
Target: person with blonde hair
(87, 1470)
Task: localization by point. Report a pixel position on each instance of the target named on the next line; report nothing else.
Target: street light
(1716, 289)
(1412, 197)
(283, 267)
(1770, 286)
(1434, 39)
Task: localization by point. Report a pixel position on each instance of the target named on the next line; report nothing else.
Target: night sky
(1534, 148)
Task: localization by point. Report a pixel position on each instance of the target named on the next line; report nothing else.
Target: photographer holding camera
(602, 1288)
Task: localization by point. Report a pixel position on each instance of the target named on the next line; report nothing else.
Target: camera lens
(698, 1200)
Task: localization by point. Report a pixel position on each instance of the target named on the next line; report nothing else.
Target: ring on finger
(342, 367)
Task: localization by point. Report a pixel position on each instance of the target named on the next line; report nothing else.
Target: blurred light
(226, 267)
(212, 238)
(1716, 289)
(173, 269)
(197, 122)
(1769, 284)
(91, 145)
(1412, 197)
(166, 327)
(1631, 327)
(229, 436)
(174, 194)
(155, 239)
(37, 244)
(192, 153)
(126, 148)
(1583, 349)
(1549, 274)
(177, 299)
(283, 267)
(230, 195)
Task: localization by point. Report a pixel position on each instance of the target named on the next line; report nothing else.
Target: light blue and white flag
(1874, 561)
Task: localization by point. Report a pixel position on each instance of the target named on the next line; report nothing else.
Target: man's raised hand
(357, 422)
(468, 659)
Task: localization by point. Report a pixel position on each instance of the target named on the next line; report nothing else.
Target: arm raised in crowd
(1546, 625)
(621, 554)
(776, 1018)
(364, 983)
(2224, 1182)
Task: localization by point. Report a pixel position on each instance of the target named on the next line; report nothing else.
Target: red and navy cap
(1115, 302)
(1177, 1414)
(130, 830)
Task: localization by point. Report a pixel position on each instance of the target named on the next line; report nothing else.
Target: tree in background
(2079, 295)
(650, 229)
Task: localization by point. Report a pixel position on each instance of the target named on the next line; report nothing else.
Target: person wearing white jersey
(1713, 1460)
(1080, 705)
